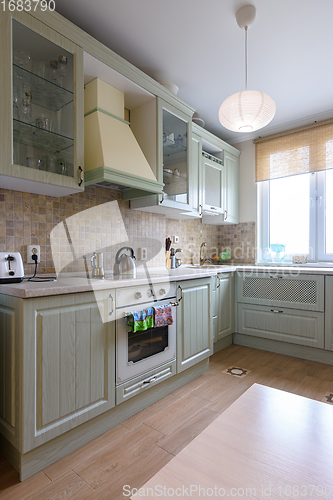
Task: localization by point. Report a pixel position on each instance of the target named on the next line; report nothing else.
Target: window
(296, 217)
(294, 171)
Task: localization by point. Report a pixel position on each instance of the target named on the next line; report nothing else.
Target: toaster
(11, 267)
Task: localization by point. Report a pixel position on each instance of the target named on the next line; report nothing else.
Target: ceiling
(199, 47)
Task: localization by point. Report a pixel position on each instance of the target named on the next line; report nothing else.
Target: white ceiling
(199, 46)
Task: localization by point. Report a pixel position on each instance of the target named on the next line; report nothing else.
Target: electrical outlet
(33, 250)
(175, 239)
(142, 253)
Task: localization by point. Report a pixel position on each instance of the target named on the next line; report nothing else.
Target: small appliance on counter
(97, 265)
(11, 267)
(125, 264)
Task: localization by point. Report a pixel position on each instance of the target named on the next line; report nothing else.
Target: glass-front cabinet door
(175, 152)
(42, 108)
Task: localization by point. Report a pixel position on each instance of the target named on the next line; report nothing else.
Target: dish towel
(139, 321)
(163, 316)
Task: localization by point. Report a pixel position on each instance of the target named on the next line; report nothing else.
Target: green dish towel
(139, 321)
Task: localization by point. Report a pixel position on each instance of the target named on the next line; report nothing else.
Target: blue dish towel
(139, 321)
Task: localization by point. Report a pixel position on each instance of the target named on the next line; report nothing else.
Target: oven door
(141, 351)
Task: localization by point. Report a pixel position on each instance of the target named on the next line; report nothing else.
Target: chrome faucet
(203, 259)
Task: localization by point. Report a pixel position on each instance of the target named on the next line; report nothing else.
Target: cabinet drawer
(287, 325)
(144, 382)
(271, 289)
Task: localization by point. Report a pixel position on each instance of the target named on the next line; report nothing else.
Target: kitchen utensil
(167, 244)
(11, 267)
(125, 264)
(97, 265)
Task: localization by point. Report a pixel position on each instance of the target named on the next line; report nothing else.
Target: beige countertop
(77, 282)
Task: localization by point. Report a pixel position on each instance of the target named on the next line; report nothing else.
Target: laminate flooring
(135, 450)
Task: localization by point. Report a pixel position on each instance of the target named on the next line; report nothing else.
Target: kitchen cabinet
(67, 374)
(194, 322)
(282, 307)
(225, 299)
(169, 152)
(231, 188)
(41, 115)
(328, 313)
(213, 190)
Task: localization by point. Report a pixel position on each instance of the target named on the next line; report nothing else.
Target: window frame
(317, 220)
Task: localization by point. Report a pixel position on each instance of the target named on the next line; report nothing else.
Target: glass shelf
(171, 177)
(172, 147)
(29, 135)
(47, 94)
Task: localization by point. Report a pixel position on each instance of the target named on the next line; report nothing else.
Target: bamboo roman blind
(297, 151)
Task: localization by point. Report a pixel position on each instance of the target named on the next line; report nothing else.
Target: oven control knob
(162, 291)
(138, 295)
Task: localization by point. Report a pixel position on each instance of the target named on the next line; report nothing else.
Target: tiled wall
(70, 229)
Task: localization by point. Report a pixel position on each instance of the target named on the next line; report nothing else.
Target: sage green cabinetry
(212, 187)
(231, 188)
(285, 307)
(41, 115)
(169, 153)
(225, 298)
(64, 352)
(329, 313)
(219, 179)
(194, 322)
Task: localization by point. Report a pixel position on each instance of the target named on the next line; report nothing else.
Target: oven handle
(176, 304)
(173, 304)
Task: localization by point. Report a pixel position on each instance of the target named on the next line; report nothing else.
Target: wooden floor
(132, 452)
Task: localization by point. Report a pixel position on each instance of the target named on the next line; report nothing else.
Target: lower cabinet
(288, 325)
(329, 313)
(66, 348)
(194, 322)
(225, 300)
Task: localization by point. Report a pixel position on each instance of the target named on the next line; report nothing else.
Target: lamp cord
(246, 57)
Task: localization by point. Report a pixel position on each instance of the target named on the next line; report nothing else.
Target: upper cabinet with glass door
(170, 149)
(42, 108)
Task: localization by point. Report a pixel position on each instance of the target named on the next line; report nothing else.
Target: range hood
(112, 155)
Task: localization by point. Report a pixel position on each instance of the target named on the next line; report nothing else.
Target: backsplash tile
(71, 228)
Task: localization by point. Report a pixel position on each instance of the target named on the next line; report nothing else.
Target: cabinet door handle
(146, 382)
(81, 175)
(276, 277)
(200, 210)
(225, 214)
(111, 309)
(163, 196)
(213, 208)
(276, 311)
(218, 286)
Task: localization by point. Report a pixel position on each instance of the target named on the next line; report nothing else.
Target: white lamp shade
(247, 111)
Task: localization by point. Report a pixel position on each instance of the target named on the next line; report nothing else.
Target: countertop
(78, 282)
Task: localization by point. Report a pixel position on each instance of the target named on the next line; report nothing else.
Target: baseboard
(37, 459)
(222, 343)
(299, 351)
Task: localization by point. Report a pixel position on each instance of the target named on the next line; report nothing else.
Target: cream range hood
(112, 155)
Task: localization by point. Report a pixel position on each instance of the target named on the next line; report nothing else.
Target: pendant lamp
(248, 110)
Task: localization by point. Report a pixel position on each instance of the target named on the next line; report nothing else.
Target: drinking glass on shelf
(33, 162)
(62, 169)
(25, 108)
(53, 71)
(62, 69)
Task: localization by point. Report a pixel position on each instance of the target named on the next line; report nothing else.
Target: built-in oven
(138, 352)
